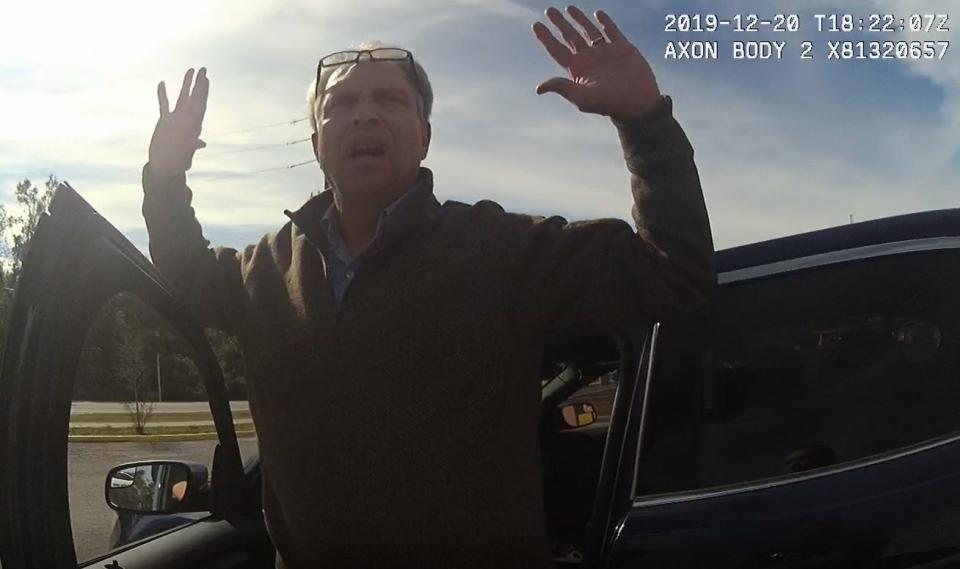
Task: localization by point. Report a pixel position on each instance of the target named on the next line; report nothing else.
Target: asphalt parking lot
(88, 464)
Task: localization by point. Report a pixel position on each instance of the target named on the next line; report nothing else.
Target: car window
(138, 395)
(810, 370)
(578, 401)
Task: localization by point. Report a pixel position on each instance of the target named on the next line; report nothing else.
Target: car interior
(579, 382)
(576, 372)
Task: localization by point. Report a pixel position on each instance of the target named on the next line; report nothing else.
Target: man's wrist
(657, 113)
(654, 137)
(641, 109)
(153, 177)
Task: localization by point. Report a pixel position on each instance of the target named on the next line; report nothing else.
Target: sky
(782, 146)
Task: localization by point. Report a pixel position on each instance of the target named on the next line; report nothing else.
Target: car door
(619, 467)
(77, 261)
(587, 472)
(817, 416)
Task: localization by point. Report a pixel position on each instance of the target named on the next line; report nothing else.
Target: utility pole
(159, 390)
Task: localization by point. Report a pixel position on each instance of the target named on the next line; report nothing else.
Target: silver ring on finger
(597, 41)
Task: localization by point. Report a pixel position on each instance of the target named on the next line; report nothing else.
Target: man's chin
(369, 181)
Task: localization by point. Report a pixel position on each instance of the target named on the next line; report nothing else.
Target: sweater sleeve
(601, 274)
(206, 280)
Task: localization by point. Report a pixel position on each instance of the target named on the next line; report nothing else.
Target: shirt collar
(391, 218)
(418, 205)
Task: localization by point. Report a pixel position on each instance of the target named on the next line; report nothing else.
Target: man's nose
(365, 112)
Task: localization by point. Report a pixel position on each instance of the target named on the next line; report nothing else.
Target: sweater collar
(422, 206)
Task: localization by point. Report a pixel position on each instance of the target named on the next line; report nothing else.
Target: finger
(593, 33)
(198, 99)
(184, 90)
(559, 52)
(162, 97)
(561, 86)
(610, 27)
(571, 35)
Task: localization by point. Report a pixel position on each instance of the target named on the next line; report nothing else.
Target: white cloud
(943, 72)
(767, 174)
(503, 8)
(82, 106)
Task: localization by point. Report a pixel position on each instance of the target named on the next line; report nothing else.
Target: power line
(24, 175)
(284, 167)
(254, 148)
(38, 175)
(260, 127)
(252, 173)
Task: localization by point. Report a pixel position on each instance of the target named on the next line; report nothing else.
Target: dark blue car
(808, 419)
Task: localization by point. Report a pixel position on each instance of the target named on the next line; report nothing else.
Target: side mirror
(158, 487)
(577, 415)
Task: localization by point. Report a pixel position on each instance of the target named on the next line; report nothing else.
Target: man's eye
(393, 99)
(339, 103)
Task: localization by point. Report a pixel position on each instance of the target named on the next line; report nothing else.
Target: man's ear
(427, 133)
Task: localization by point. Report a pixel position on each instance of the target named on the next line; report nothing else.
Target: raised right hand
(177, 135)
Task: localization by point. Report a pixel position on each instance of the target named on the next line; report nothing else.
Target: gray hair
(418, 78)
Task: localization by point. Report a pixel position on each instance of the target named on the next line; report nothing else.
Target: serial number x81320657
(849, 50)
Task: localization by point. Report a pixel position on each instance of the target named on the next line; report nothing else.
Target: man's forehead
(379, 73)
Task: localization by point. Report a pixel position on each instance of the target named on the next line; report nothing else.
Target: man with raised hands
(392, 343)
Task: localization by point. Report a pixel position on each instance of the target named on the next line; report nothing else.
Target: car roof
(923, 225)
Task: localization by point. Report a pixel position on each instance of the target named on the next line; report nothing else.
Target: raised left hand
(608, 74)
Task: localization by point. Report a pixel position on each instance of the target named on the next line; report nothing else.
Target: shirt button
(349, 274)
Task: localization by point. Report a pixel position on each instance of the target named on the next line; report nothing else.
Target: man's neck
(359, 219)
(358, 226)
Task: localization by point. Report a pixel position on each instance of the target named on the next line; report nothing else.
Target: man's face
(371, 135)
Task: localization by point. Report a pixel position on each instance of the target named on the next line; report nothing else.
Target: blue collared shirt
(341, 266)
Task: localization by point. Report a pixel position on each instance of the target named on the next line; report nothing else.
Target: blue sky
(782, 146)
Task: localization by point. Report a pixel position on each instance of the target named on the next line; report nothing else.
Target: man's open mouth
(367, 148)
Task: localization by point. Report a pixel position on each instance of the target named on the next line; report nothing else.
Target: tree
(230, 356)
(139, 409)
(120, 354)
(16, 231)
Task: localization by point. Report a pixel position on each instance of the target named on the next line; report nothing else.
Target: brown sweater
(400, 429)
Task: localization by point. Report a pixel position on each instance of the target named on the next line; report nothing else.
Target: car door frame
(618, 469)
(902, 468)
(76, 261)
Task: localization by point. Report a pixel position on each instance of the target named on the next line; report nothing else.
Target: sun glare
(96, 32)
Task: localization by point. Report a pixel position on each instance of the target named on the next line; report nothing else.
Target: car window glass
(230, 357)
(138, 395)
(815, 369)
(573, 430)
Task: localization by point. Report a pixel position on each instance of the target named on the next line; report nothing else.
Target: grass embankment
(178, 438)
(118, 427)
(197, 416)
(155, 430)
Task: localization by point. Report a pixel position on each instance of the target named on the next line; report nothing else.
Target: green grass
(161, 430)
(182, 437)
(200, 416)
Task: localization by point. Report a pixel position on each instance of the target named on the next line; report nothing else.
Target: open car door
(76, 262)
(588, 467)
